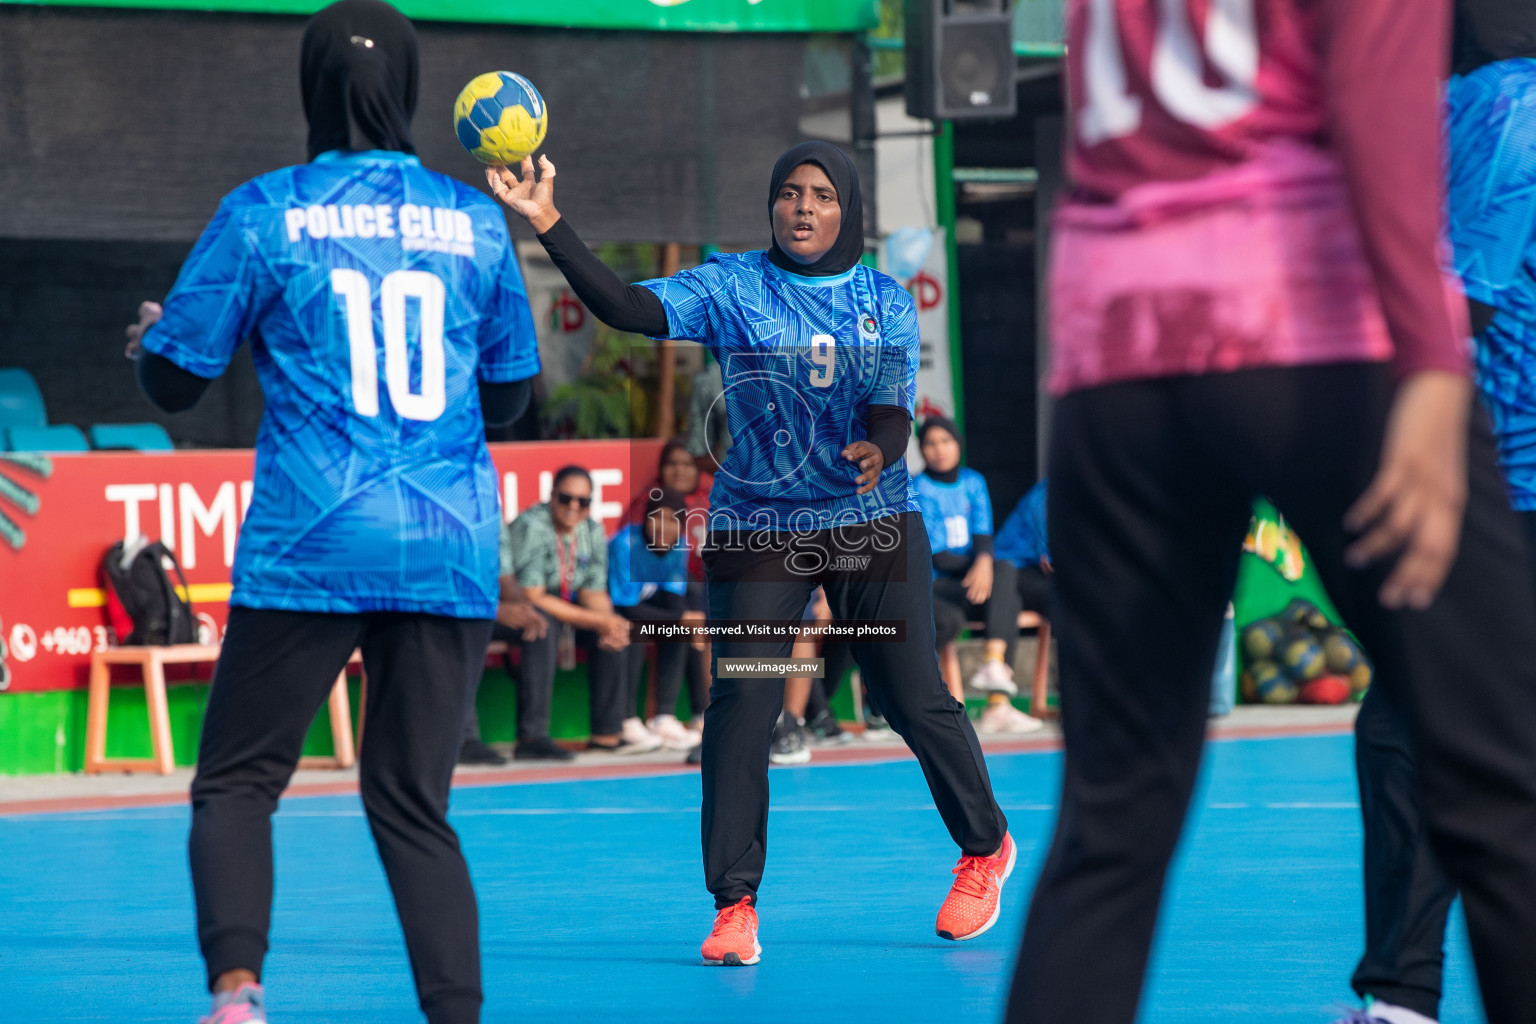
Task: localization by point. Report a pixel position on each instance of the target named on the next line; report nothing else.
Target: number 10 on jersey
(397, 288)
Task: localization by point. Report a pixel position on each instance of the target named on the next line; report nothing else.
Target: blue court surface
(592, 904)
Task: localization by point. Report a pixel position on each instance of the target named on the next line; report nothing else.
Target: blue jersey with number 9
(376, 294)
(802, 359)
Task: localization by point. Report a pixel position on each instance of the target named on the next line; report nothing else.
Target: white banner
(930, 291)
(565, 327)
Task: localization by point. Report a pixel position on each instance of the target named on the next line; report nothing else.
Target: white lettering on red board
(219, 517)
(185, 515)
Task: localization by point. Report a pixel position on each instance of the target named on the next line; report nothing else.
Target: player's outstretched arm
(1384, 61)
(620, 306)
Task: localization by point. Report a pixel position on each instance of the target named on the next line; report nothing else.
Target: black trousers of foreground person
(1151, 491)
(1407, 896)
(761, 578)
(274, 674)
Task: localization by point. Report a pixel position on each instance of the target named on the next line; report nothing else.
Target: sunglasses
(569, 499)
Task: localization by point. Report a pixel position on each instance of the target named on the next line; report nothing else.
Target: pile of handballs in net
(1300, 657)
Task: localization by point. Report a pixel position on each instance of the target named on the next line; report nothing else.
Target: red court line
(854, 754)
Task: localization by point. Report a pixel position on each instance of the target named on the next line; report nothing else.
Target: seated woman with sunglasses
(560, 556)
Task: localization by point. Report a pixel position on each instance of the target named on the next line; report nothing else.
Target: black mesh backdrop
(130, 125)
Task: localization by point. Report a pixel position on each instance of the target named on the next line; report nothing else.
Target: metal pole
(944, 213)
(861, 114)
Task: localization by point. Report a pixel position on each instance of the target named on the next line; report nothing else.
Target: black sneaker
(695, 756)
(476, 752)
(825, 731)
(541, 749)
(876, 727)
(788, 745)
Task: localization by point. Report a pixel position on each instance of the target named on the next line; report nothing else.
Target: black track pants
(752, 583)
(1407, 896)
(274, 674)
(1151, 489)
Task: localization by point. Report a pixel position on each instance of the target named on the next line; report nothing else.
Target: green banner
(655, 15)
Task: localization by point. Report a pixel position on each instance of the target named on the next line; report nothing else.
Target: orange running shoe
(733, 941)
(976, 898)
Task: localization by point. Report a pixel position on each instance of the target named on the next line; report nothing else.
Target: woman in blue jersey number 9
(374, 518)
(819, 360)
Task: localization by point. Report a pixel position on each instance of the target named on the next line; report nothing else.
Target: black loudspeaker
(960, 62)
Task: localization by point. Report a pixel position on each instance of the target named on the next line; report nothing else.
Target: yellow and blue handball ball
(1268, 683)
(500, 118)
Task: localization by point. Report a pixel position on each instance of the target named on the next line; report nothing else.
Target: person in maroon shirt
(1246, 299)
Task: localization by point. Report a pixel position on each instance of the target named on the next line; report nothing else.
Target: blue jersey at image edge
(1491, 196)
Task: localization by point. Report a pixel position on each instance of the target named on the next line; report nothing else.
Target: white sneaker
(674, 735)
(640, 739)
(994, 677)
(1005, 718)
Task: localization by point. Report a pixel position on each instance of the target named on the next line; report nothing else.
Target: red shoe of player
(733, 942)
(975, 899)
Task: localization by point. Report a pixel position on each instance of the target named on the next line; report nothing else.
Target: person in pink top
(1246, 299)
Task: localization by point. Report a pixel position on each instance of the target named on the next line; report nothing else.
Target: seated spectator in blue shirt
(968, 582)
(648, 582)
(1024, 543)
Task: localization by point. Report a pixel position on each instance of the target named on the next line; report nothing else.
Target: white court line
(1302, 805)
(534, 812)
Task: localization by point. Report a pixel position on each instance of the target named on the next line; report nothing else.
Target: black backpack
(142, 602)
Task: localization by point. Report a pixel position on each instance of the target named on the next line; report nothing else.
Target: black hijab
(849, 247)
(1491, 30)
(947, 425)
(357, 74)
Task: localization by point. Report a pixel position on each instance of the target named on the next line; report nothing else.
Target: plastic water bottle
(565, 656)
(1224, 679)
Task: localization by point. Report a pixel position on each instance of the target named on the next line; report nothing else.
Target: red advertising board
(59, 515)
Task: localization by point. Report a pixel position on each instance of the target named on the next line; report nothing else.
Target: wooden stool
(1037, 693)
(152, 662)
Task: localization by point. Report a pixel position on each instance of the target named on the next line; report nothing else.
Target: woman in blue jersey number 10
(819, 361)
(373, 519)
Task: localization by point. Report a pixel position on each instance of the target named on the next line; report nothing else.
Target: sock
(998, 657)
(1385, 1011)
(994, 699)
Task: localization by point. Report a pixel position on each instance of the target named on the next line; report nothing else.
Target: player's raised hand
(1413, 507)
(531, 196)
(149, 315)
(870, 459)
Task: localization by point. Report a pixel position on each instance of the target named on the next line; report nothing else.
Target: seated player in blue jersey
(560, 558)
(387, 320)
(678, 470)
(1024, 542)
(648, 582)
(969, 582)
(818, 357)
